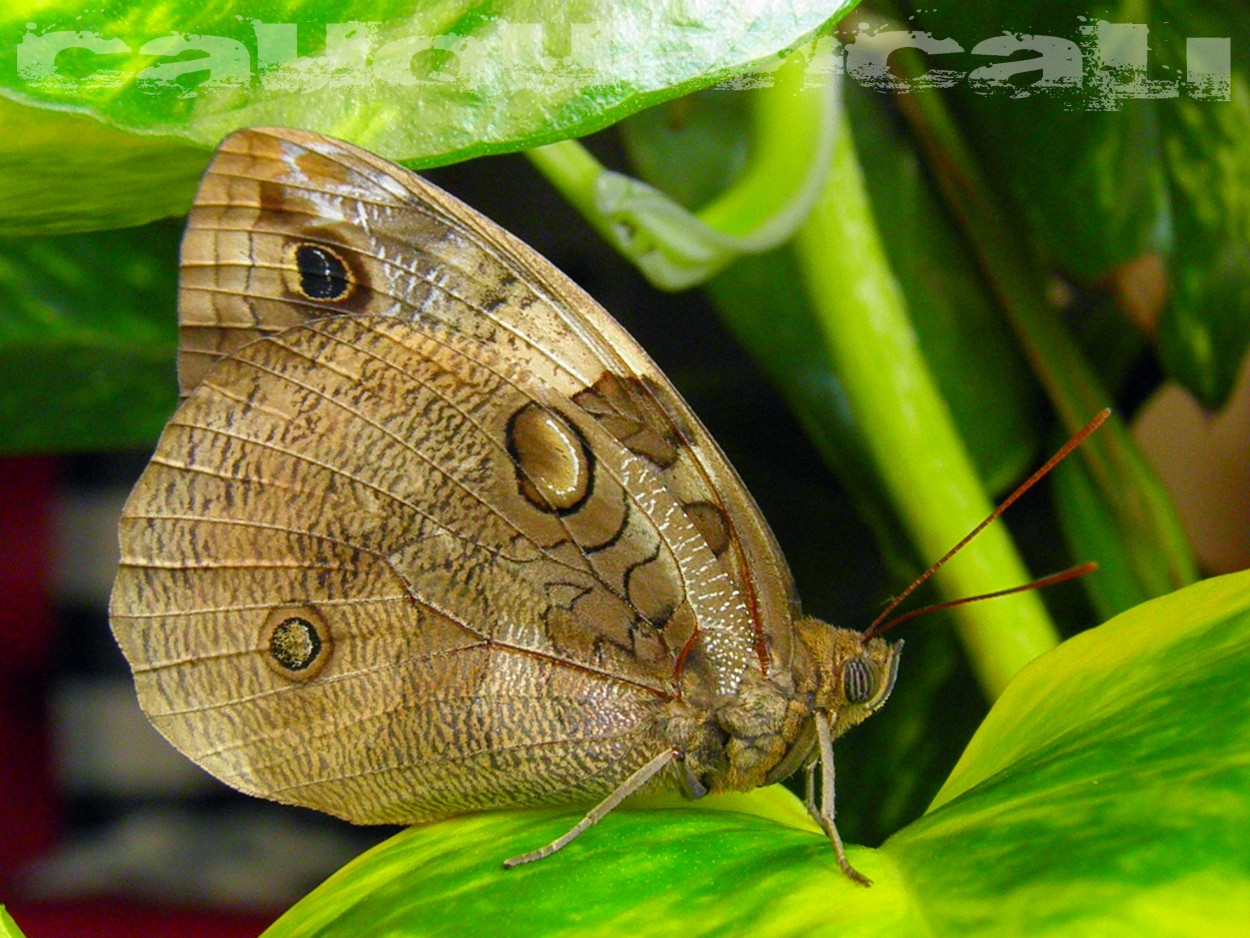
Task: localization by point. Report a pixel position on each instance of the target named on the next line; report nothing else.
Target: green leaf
(429, 84)
(1090, 527)
(63, 172)
(656, 872)
(1105, 793)
(1205, 330)
(1126, 162)
(8, 927)
(87, 340)
(1084, 166)
(1108, 787)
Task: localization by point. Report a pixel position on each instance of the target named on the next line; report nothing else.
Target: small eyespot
(323, 274)
(296, 642)
(859, 680)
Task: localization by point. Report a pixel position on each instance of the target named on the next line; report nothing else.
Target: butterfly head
(850, 679)
(840, 675)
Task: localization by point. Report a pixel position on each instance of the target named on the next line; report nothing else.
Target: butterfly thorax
(765, 731)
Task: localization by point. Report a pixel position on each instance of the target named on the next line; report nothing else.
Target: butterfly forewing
(281, 214)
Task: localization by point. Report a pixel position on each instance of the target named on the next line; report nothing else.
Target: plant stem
(678, 248)
(1151, 539)
(907, 425)
(1151, 534)
(573, 171)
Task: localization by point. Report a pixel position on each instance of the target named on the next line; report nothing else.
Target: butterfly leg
(599, 811)
(824, 817)
(694, 785)
(809, 793)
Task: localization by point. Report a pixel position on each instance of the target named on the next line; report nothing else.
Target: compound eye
(859, 680)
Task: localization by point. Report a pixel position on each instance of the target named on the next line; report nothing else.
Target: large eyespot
(859, 680)
(555, 468)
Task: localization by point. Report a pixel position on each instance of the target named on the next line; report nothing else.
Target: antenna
(876, 628)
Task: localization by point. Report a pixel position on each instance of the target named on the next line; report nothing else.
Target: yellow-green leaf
(1108, 792)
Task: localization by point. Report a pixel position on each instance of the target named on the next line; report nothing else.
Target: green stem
(574, 172)
(791, 142)
(907, 425)
(677, 248)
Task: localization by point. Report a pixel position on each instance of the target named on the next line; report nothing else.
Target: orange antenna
(876, 628)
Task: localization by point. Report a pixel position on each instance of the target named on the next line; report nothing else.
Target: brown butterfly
(430, 533)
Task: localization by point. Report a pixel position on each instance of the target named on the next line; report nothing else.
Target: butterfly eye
(859, 680)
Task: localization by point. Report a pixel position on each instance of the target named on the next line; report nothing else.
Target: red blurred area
(31, 810)
(116, 918)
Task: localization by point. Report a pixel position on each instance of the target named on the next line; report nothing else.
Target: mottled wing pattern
(417, 253)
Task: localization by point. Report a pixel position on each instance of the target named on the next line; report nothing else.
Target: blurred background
(104, 828)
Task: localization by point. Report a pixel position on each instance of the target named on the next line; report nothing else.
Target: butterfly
(430, 533)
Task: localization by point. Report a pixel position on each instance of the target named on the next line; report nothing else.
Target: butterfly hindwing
(481, 626)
